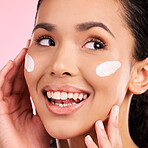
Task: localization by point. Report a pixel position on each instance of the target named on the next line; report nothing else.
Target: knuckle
(104, 137)
(117, 145)
(115, 124)
(10, 81)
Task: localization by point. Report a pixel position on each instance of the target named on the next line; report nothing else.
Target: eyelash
(95, 40)
(39, 38)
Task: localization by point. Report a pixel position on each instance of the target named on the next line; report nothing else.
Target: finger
(28, 43)
(3, 74)
(20, 57)
(19, 84)
(112, 128)
(89, 142)
(101, 135)
(18, 61)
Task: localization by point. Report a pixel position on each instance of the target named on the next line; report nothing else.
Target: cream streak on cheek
(29, 63)
(107, 68)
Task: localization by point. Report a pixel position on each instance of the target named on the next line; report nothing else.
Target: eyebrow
(88, 25)
(80, 27)
(46, 26)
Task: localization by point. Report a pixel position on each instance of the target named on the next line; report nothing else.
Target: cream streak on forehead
(107, 68)
(29, 63)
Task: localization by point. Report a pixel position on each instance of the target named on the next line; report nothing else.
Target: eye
(45, 41)
(94, 44)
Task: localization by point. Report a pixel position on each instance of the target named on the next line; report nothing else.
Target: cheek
(102, 75)
(106, 80)
(107, 68)
(29, 63)
(31, 72)
(34, 67)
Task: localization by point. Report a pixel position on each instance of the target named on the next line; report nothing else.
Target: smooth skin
(20, 128)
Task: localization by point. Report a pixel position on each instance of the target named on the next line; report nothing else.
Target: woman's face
(71, 40)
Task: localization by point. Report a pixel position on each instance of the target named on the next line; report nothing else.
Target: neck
(76, 141)
(123, 123)
(123, 127)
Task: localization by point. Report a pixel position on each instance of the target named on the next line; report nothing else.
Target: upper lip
(64, 88)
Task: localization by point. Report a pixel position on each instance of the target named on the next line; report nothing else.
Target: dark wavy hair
(136, 17)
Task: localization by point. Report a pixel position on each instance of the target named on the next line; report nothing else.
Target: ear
(138, 83)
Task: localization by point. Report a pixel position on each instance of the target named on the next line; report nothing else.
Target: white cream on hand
(107, 68)
(29, 63)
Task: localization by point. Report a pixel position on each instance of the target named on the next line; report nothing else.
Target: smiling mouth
(65, 99)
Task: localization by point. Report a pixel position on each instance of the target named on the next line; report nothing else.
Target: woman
(85, 59)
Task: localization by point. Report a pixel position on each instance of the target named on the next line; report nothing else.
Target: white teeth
(57, 95)
(85, 96)
(75, 97)
(81, 96)
(63, 96)
(70, 95)
(52, 94)
(52, 102)
(49, 95)
(61, 105)
(65, 105)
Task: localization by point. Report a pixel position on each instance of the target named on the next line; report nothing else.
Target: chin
(63, 135)
(65, 132)
(58, 134)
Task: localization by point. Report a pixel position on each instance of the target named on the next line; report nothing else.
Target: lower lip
(55, 109)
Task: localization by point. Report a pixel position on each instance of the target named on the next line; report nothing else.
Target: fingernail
(89, 138)
(116, 113)
(10, 61)
(28, 43)
(100, 123)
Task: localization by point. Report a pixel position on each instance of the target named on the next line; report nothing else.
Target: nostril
(60, 74)
(52, 73)
(66, 73)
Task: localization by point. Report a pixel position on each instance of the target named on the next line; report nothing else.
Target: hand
(109, 139)
(18, 126)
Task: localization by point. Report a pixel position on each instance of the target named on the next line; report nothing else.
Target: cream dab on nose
(107, 68)
(29, 63)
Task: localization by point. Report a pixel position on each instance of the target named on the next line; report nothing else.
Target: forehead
(79, 10)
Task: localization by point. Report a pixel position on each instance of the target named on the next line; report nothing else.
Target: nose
(64, 63)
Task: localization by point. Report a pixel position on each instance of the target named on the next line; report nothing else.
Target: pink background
(16, 24)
